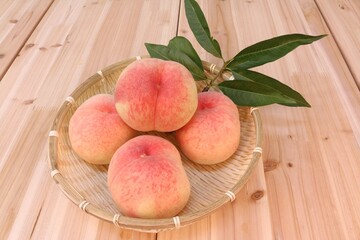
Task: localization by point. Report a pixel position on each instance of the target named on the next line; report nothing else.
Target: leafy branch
(248, 88)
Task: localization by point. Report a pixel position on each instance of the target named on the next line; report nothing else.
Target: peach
(153, 94)
(213, 134)
(146, 178)
(96, 130)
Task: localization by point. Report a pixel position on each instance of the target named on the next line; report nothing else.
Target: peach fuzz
(96, 130)
(153, 94)
(146, 178)
(213, 134)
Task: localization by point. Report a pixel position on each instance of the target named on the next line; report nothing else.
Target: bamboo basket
(86, 185)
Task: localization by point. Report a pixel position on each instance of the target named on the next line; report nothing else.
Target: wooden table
(310, 173)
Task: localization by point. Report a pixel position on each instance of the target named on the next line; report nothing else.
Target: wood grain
(316, 147)
(17, 21)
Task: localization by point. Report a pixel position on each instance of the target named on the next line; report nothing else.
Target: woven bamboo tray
(86, 185)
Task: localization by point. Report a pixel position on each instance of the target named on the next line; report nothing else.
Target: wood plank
(72, 42)
(17, 21)
(245, 218)
(317, 149)
(342, 17)
(312, 191)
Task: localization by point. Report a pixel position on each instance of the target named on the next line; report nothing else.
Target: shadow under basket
(85, 184)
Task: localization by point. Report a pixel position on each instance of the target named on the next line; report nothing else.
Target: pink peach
(96, 130)
(146, 178)
(153, 94)
(213, 134)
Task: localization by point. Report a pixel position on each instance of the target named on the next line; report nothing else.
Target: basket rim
(138, 224)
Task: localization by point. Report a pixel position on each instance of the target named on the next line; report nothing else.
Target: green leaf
(249, 93)
(200, 28)
(173, 54)
(272, 83)
(269, 50)
(185, 46)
